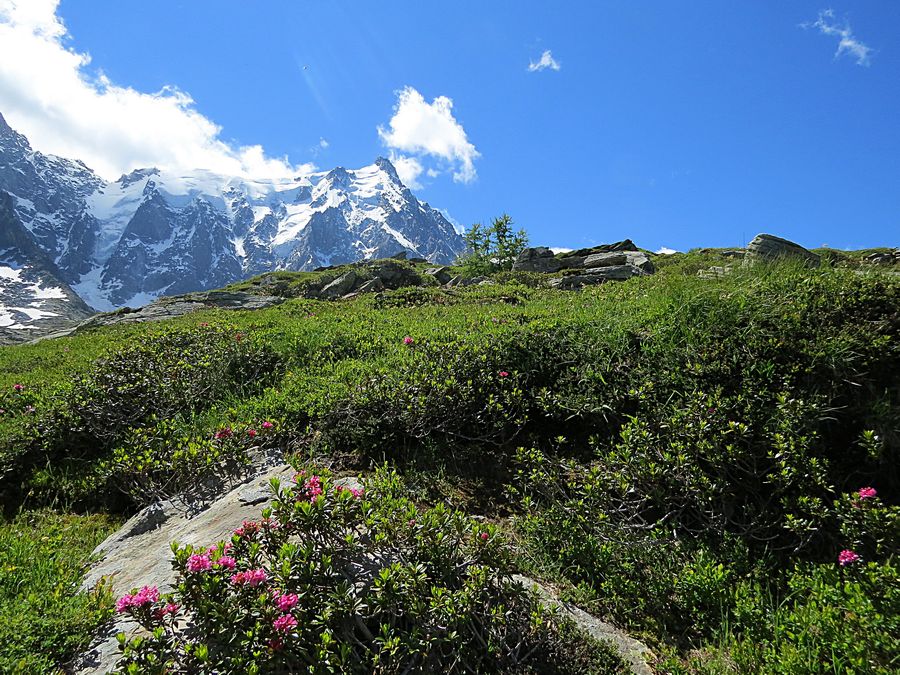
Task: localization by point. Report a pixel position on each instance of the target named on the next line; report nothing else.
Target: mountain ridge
(155, 232)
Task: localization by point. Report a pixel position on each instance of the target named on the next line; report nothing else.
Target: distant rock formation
(608, 262)
(768, 247)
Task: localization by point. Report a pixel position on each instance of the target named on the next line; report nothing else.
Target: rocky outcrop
(608, 262)
(168, 308)
(635, 653)
(441, 274)
(883, 258)
(538, 259)
(769, 248)
(140, 553)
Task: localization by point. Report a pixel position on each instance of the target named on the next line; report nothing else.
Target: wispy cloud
(48, 94)
(421, 129)
(546, 61)
(848, 43)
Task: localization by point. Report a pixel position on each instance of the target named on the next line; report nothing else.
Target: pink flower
(267, 425)
(284, 623)
(867, 493)
(249, 578)
(287, 601)
(408, 340)
(503, 373)
(146, 596)
(248, 528)
(484, 536)
(251, 433)
(357, 493)
(226, 562)
(412, 522)
(18, 387)
(198, 563)
(847, 557)
(161, 613)
(223, 433)
(311, 489)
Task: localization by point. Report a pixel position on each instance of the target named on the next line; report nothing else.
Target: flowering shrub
(338, 579)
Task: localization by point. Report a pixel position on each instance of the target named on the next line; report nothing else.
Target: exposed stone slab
(635, 653)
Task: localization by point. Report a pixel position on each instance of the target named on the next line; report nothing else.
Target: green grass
(668, 451)
(43, 618)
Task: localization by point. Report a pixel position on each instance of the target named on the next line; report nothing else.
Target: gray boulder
(768, 248)
(613, 273)
(538, 259)
(371, 286)
(440, 273)
(605, 259)
(340, 286)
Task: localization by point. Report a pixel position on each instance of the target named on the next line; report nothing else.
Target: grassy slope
(582, 366)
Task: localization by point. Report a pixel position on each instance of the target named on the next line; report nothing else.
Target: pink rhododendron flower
(847, 557)
(146, 596)
(287, 601)
(225, 562)
(223, 433)
(284, 623)
(249, 578)
(503, 373)
(18, 387)
(251, 433)
(198, 563)
(484, 536)
(247, 528)
(161, 613)
(867, 493)
(267, 425)
(408, 340)
(357, 493)
(311, 489)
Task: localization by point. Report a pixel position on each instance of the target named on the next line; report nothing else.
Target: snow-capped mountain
(153, 233)
(33, 299)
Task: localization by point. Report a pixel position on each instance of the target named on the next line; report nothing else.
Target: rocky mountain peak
(154, 232)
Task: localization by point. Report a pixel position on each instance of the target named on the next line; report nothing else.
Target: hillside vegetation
(687, 458)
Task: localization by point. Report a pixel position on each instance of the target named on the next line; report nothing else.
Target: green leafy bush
(334, 579)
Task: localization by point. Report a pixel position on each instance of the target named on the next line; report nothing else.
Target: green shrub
(336, 580)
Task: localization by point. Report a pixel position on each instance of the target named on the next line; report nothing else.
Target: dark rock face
(538, 259)
(152, 233)
(889, 258)
(768, 247)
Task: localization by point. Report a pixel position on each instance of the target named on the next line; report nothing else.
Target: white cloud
(847, 42)
(560, 249)
(429, 129)
(546, 61)
(47, 94)
(665, 250)
(323, 143)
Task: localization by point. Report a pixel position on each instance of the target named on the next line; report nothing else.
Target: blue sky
(678, 124)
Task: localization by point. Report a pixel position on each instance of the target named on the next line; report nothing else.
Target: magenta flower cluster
(250, 578)
(143, 598)
(867, 493)
(227, 432)
(847, 557)
(199, 563)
